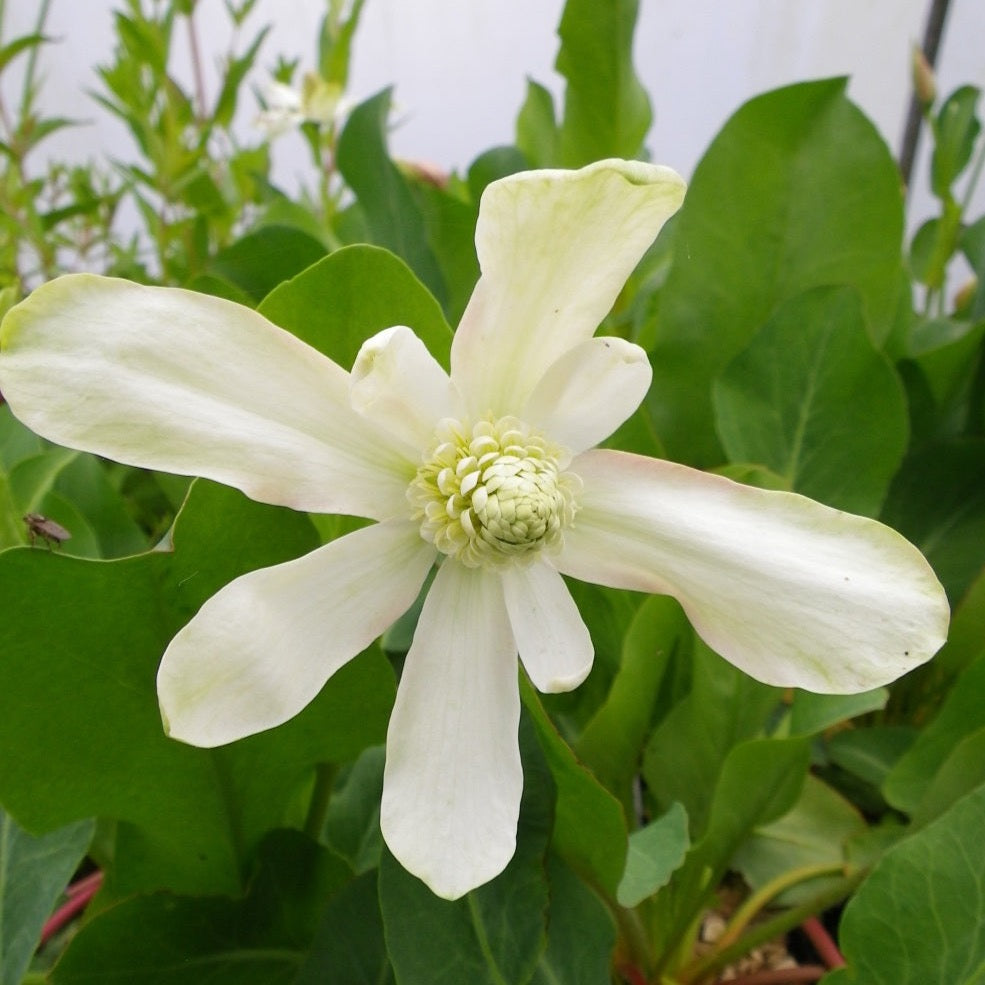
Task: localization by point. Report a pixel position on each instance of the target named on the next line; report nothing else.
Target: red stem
(783, 976)
(79, 894)
(826, 948)
(632, 974)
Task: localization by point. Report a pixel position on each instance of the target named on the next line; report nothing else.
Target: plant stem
(196, 58)
(718, 959)
(826, 948)
(78, 894)
(782, 976)
(27, 91)
(758, 900)
(933, 31)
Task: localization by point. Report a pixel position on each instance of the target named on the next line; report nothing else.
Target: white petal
(399, 385)
(589, 392)
(555, 248)
(453, 779)
(183, 382)
(792, 592)
(550, 634)
(262, 648)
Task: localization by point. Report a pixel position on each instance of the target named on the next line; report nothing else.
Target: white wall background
(459, 68)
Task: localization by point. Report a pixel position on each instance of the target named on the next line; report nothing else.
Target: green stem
(718, 959)
(27, 91)
(321, 797)
(976, 173)
(758, 900)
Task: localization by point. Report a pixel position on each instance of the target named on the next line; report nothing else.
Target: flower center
(493, 493)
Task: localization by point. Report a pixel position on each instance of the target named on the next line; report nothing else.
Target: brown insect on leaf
(48, 530)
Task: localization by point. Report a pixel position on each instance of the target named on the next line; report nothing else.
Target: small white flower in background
(491, 472)
(317, 101)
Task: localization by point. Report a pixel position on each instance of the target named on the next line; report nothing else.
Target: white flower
(492, 472)
(285, 108)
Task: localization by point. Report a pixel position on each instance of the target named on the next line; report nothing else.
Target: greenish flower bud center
(493, 493)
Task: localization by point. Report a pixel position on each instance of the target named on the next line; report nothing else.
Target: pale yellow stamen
(493, 493)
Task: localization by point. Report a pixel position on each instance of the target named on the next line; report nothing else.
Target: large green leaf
(580, 934)
(173, 940)
(34, 871)
(798, 190)
(937, 501)
(812, 400)
(606, 109)
(81, 649)
(920, 916)
(393, 217)
(814, 832)
(352, 294)
(495, 934)
(962, 715)
(686, 752)
(348, 947)
(589, 825)
(537, 133)
(612, 743)
(259, 261)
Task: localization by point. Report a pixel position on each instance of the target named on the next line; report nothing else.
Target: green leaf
(956, 130)
(960, 773)
(17, 441)
(537, 133)
(920, 916)
(450, 223)
(655, 852)
(81, 648)
(606, 109)
(686, 752)
(962, 714)
(261, 260)
(760, 780)
(335, 44)
(33, 874)
(33, 478)
(810, 398)
(813, 713)
(260, 940)
(490, 166)
(85, 484)
(580, 934)
(349, 948)
(495, 934)
(352, 294)
(797, 191)
(393, 216)
(871, 753)
(589, 824)
(352, 823)
(937, 501)
(813, 832)
(24, 43)
(611, 744)
(236, 70)
(972, 244)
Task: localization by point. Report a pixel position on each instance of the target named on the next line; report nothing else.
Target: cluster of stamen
(492, 493)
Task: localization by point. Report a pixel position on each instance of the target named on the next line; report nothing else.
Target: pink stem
(79, 894)
(782, 976)
(826, 948)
